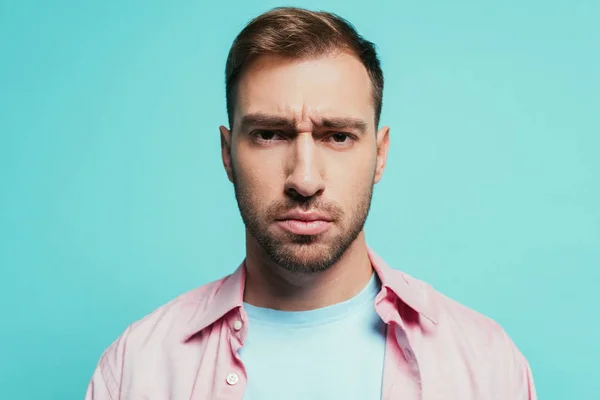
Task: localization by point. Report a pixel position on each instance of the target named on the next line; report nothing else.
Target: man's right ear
(226, 151)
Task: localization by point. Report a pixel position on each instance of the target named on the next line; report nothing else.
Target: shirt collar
(402, 287)
(230, 294)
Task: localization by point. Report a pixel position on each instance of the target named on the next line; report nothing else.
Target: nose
(305, 177)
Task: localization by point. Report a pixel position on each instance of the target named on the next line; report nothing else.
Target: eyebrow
(276, 122)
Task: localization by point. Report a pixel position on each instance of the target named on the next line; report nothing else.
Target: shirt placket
(401, 376)
(234, 379)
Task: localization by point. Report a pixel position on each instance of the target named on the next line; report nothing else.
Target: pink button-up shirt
(435, 348)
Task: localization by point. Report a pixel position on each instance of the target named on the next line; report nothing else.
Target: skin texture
(304, 139)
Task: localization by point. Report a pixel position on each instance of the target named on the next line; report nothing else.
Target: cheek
(349, 180)
(354, 170)
(258, 174)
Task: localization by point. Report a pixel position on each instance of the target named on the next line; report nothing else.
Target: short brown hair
(299, 34)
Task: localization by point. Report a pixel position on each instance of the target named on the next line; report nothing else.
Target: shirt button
(237, 325)
(232, 379)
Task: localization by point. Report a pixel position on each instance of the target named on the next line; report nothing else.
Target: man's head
(303, 151)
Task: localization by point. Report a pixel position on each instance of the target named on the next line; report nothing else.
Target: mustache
(330, 209)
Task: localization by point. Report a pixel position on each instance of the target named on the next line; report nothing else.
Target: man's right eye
(265, 135)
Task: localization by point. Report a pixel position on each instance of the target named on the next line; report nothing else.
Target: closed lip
(304, 216)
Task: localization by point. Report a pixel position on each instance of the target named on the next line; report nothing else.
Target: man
(312, 312)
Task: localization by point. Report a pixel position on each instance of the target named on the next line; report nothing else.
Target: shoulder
(165, 324)
(482, 340)
(453, 314)
(176, 314)
(455, 323)
(148, 339)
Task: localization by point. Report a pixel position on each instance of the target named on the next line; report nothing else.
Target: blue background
(114, 200)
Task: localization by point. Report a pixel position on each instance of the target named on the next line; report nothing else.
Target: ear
(226, 151)
(383, 144)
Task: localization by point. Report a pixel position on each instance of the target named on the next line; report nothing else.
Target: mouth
(305, 223)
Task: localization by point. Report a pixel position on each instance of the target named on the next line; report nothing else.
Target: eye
(266, 135)
(340, 137)
(341, 140)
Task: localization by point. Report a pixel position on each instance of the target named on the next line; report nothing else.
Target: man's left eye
(339, 137)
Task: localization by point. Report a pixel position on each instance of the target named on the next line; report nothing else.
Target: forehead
(334, 85)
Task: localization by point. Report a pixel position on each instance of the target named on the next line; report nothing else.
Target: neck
(272, 286)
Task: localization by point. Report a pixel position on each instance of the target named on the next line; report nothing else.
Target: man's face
(304, 156)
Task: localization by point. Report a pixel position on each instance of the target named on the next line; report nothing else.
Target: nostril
(303, 196)
(296, 195)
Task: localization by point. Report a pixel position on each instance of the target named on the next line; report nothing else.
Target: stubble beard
(302, 253)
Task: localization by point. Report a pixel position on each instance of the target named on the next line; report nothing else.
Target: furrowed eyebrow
(266, 121)
(272, 121)
(345, 123)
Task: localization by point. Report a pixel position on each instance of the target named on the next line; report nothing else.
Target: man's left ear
(383, 143)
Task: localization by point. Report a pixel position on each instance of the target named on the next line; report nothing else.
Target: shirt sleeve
(101, 386)
(529, 379)
(528, 388)
(106, 380)
(516, 372)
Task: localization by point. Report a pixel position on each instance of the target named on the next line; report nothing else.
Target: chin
(305, 257)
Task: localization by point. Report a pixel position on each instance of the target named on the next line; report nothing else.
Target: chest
(217, 367)
(342, 360)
